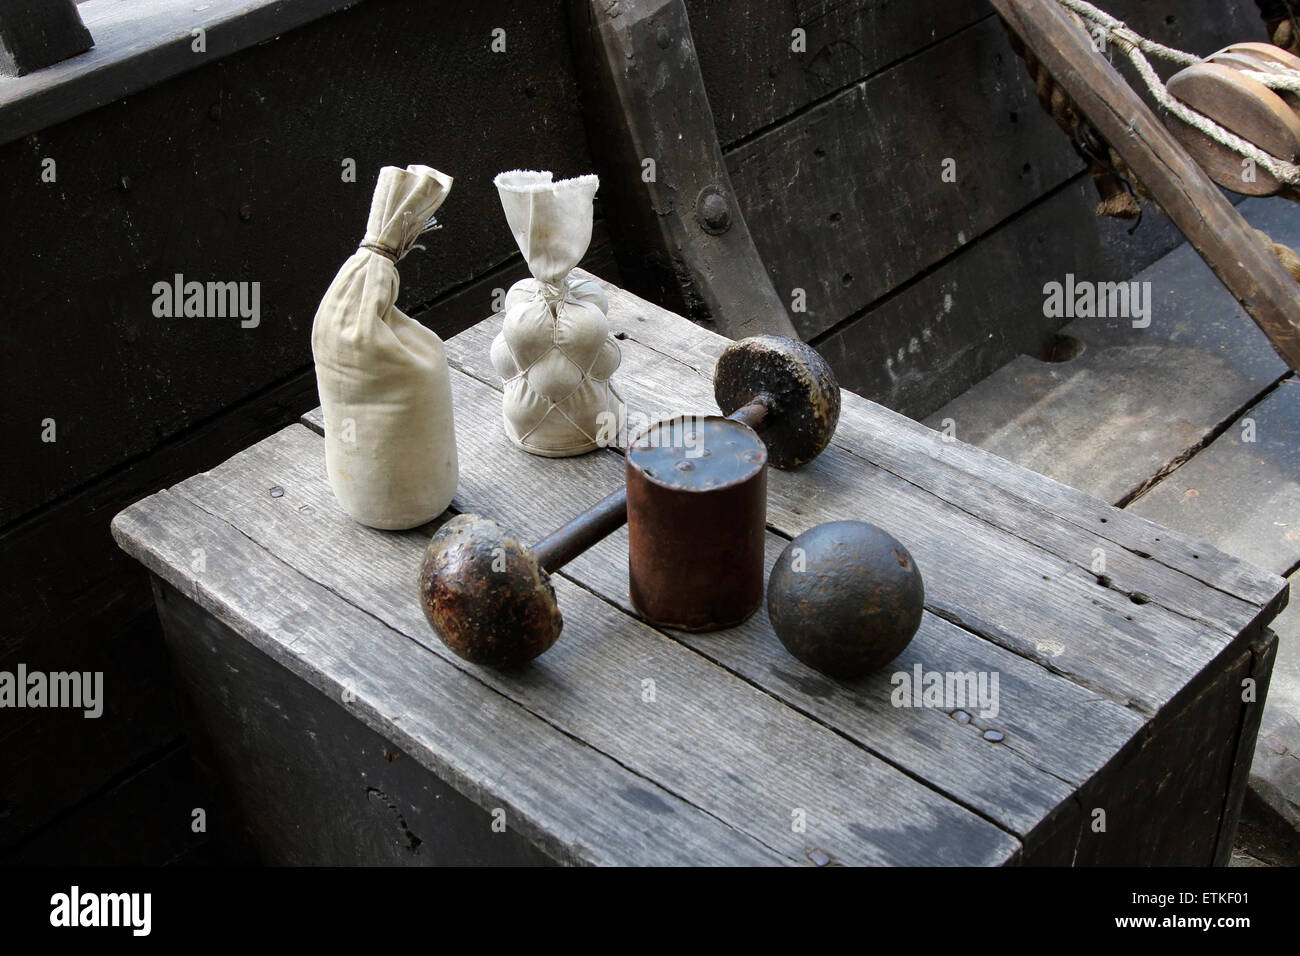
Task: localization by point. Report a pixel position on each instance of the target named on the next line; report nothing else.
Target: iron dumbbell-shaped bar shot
(694, 503)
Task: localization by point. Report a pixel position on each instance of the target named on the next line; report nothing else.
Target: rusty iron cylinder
(697, 522)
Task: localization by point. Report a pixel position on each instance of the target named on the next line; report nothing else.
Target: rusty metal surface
(845, 598)
(794, 382)
(697, 521)
(596, 523)
(486, 595)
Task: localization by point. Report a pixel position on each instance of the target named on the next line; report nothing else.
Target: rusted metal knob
(845, 598)
(489, 597)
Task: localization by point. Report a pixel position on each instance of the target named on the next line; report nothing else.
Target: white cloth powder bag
(554, 353)
(390, 440)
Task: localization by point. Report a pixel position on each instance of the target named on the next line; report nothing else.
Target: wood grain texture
(438, 714)
(293, 779)
(139, 44)
(755, 78)
(1243, 490)
(1067, 659)
(644, 100)
(981, 545)
(940, 335)
(800, 765)
(1137, 401)
(1023, 782)
(848, 201)
(37, 33)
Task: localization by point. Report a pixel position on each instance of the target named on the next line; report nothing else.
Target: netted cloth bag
(390, 441)
(554, 352)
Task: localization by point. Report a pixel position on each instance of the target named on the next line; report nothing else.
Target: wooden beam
(1186, 194)
(679, 232)
(37, 33)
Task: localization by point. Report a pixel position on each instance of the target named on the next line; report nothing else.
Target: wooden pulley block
(1260, 57)
(1263, 51)
(1247, 108)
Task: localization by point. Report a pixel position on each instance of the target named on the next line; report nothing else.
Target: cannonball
(485, 594)
(845, 598)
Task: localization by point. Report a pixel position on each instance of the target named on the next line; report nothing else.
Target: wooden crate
(338, 728)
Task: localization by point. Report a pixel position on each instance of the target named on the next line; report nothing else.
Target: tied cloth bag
(554, 352)
(390, 441)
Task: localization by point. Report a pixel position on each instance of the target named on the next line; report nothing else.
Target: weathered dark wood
(933, 339)
(756, 79)
(1137, 401)
(1023, 775)
(140, 44)
(1250, 271)
(305, 783)
(1193, 776)
(145, 819)
(947, 468)
(676, 221)
(256, 216)
(1185, 765)
(975, 567)
(1264, 650)
(801, 765)
(1274, 774)
(848, 201)
(436, 714)
(1019, 786)
(1243, 491)
(37, 33)
(54, 758)
(71, 596)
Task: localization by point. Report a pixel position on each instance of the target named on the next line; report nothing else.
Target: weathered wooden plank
(816, 191)
(928, 342)
(72, 597)
(141, 44)
(436, 713)
(1243, 491)
(142, 820)
(912, 447)
(1137, 400)
(1184, 767)
(976, 573)
(352, 798)
(1259, 672)
(962, 464)
(756, 77)
(1186, 194)
(847, 201)
(55, 757)
(1018, 784)
(37, 33)
(1275, 773)
(802, 765)
(684, 239)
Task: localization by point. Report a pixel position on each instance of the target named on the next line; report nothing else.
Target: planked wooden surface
(1243, 490)
(1136, 401)
(740, 736)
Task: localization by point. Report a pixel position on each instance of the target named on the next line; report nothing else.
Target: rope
(1109, 171)
(1136, 47)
